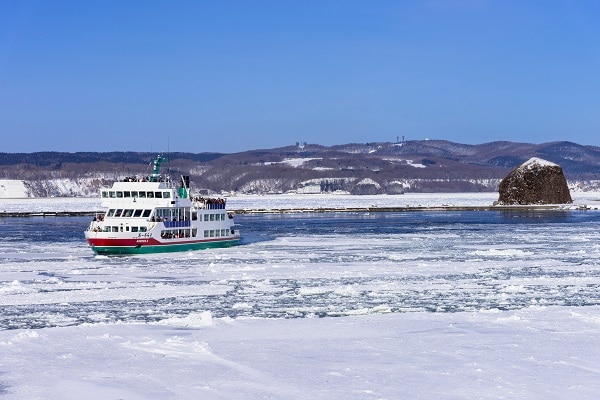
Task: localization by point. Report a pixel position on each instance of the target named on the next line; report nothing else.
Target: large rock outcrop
(536, 181)
(366, 187)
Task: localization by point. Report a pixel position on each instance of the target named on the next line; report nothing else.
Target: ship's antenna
(169, 156)
(151, 154)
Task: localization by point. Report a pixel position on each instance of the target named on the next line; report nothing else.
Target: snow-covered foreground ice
(534, 353)
(417, 305)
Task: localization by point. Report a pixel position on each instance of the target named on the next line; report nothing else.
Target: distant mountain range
(369, 168)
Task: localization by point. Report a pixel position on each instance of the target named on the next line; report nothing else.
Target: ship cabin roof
(154, 194)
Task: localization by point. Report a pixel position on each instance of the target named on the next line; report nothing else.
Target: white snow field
(299, 201)
(12, 189)
(534, 353)
(306, 316)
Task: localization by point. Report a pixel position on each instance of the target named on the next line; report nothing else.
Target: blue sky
(230, 76)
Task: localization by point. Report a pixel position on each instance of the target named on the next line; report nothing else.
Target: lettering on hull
(165, 248)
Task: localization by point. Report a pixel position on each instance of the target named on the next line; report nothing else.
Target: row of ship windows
(112, 194)
(171, 233)
(185, 233)
(214, 217)
(127, 228)
(126, 213)
(216, 232)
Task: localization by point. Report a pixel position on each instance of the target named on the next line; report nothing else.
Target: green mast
(156, 168)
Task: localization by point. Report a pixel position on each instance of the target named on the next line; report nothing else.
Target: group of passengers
(160, 219)
(174, 234)
(212, 203)
(145, 179)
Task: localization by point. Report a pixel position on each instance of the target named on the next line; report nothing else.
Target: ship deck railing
(177, 224)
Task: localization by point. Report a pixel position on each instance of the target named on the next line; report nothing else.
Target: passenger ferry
(150, 215)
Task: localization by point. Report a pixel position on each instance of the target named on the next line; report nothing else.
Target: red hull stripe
(149, 242)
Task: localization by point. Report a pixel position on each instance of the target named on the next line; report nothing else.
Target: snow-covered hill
(89, 187)
(371, 168)
(13, 189)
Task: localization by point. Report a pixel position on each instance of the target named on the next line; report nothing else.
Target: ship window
(206, 217)
(128, 213)
(134, 194)
(137, 213)
(142, 195)
(115, 229)
(118, 213)
(218, 233)
(104, 194)
(134, 229)
(146, 213)
(212, 233)
(110, 212)
(194, 215)
(126, 194)
(143, 229)
(223, 232)
(222, 217)
(119, 194)
(112, 194)
(106, 229)
(194, 232)
(166, 195)
(150, 195)
(158, 195)
(206, 233)
(212, 217)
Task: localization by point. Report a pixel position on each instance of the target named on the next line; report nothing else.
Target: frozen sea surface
(425, 305)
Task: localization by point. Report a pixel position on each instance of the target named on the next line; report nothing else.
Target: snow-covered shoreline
(298, 201)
